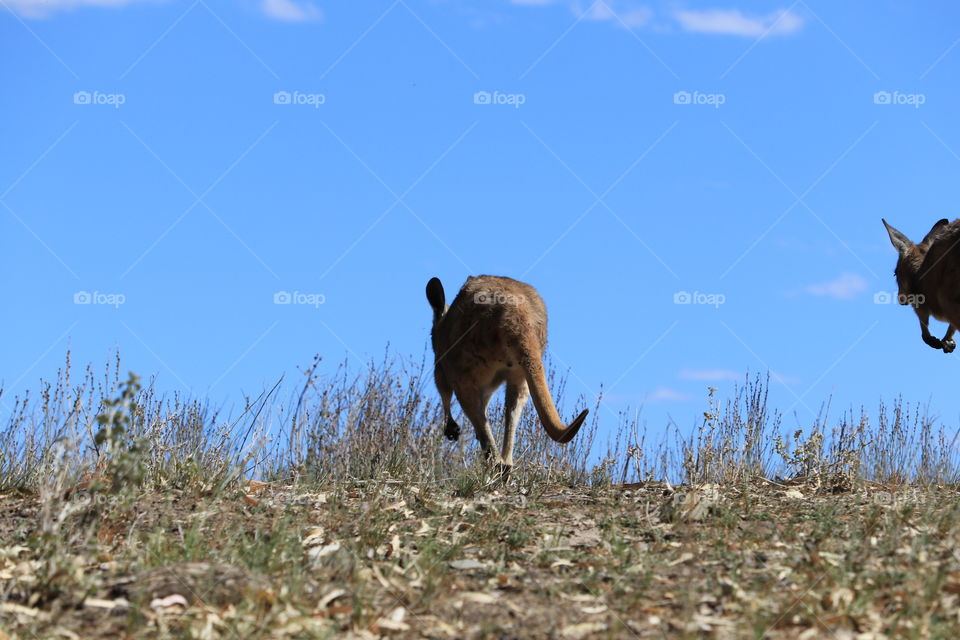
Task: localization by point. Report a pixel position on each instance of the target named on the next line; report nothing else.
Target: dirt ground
(389, 559)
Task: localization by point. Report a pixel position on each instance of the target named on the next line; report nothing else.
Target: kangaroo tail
(546, 410)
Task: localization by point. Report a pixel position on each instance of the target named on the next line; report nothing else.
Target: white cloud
(610, 11)
(844, 287)
(663, 394)
(45, 8)
(597, 11)
(784, 379)
(718, 21)
(734, 22)
(710, 375)
(729, 375)
(635, 17)
(613, 11)
(290, 11)
(287, 10)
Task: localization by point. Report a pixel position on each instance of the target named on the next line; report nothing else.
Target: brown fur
(928, 278)
(493, 333)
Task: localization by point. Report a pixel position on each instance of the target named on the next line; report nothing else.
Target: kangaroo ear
(933, 230)
(435, 296)
(900, 242)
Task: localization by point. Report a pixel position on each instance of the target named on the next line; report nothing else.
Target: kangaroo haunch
(494, 332)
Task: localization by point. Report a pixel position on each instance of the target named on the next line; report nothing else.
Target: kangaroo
(493, 333)
(928, 278)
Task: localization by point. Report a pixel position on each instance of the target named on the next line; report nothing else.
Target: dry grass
(339, 510)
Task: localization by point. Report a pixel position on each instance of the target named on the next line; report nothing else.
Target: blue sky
(178, 164)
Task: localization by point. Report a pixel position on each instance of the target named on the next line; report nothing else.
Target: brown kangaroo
(928, 278)
(494, 332)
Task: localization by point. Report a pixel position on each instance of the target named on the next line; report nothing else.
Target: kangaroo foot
(452, 430)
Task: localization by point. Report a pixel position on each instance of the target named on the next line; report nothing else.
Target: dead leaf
(684, 557)
(171, 601)
(479, 597)
(585, 538)
(314, 537)
(582, 630)
(100, 603)
(394, 621)
(330, 597)
(320, 552)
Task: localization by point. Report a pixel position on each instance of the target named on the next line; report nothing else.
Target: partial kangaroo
(493, 333)
(928, 278)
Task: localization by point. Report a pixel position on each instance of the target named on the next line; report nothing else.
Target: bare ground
(388, 559)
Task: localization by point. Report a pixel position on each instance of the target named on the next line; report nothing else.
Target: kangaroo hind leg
(474, 403)
(517, 395)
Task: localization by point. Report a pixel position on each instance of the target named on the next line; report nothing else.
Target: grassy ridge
(337, 508)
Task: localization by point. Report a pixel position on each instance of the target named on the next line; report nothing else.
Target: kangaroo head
(910, 258)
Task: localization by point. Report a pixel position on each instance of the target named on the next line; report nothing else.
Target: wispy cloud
(614, 11)
(664, 394)
(716, 21)
(844, 287)
(286, 10)
(290, 11)
(733, 22)
(729, 375)
(710, 375)
(630, 16)
(46, 8)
